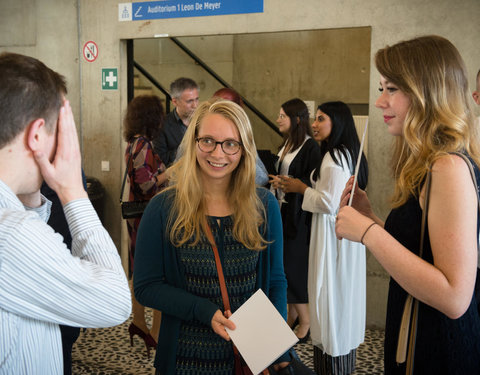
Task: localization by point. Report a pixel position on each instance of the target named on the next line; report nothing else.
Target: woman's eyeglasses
(229, 146)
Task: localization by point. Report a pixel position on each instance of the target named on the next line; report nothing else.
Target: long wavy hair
(431, 72)
(343, 138)
(297, 111)
(188, 217)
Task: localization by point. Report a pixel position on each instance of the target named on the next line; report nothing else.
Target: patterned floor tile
(107, 351)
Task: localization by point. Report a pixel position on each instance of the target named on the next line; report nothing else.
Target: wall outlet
(105, 166)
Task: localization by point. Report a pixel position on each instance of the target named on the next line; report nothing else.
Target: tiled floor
(107, 351)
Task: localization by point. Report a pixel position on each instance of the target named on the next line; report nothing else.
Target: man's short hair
(478, 80)
(28, 90)
(178, 86)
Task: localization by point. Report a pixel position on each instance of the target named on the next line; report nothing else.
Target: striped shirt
(43, 285)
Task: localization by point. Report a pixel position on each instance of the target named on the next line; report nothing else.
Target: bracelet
(366, 230)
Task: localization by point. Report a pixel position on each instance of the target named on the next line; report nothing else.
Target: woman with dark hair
(147, 176)
(336, 273)
(425, 100)
(298, 156)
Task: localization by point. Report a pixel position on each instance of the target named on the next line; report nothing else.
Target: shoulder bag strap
(408, 325)
(428, 183)
(472, 173)
(125, 175)
(221, 278)
(223, 290)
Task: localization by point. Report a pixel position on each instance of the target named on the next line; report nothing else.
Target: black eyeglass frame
(218, 143)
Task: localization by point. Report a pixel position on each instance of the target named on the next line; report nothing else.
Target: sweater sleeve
(157, 278)
(325, 197)
(261, 174)
(278, 282)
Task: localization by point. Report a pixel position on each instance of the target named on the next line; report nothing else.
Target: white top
(337, 268)
(284, 167)
(42, 284)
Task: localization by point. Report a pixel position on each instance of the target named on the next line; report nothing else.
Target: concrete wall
(314, 65)
(47, 30)
(269, 68)
(389, 22)
(166, 62)
(99, 113)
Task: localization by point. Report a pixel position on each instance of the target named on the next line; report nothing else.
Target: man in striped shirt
(42, 285)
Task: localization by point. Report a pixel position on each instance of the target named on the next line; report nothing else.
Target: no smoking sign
(90, 51)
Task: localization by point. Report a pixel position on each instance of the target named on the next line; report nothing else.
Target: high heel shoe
(304, 339)
(146, 337)
(295, 323)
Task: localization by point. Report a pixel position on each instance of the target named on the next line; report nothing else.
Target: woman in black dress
(298, 156)
(424, 97)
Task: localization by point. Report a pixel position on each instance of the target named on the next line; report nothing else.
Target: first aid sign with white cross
(109, 79)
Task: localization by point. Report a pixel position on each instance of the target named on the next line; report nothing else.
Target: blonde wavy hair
(431, 72)
(188, 217)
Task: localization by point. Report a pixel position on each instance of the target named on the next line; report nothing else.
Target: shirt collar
(8, 197)
(177, 117)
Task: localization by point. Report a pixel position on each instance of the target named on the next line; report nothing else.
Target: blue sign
(149, 10)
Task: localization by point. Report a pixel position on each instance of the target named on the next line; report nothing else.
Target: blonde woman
(424, 98)
(211, 185)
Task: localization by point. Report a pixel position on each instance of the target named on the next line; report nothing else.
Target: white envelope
(261, 334)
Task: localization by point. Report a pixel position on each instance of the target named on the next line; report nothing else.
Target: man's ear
(174, 101)
(476, 97)
(34, 133)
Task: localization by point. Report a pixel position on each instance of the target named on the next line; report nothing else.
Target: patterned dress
(143, 169)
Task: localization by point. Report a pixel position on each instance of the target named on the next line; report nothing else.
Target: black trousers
(69, 336)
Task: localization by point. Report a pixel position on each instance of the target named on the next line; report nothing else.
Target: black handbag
(132, 209)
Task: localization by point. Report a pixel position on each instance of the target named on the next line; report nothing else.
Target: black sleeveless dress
(444, 346)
